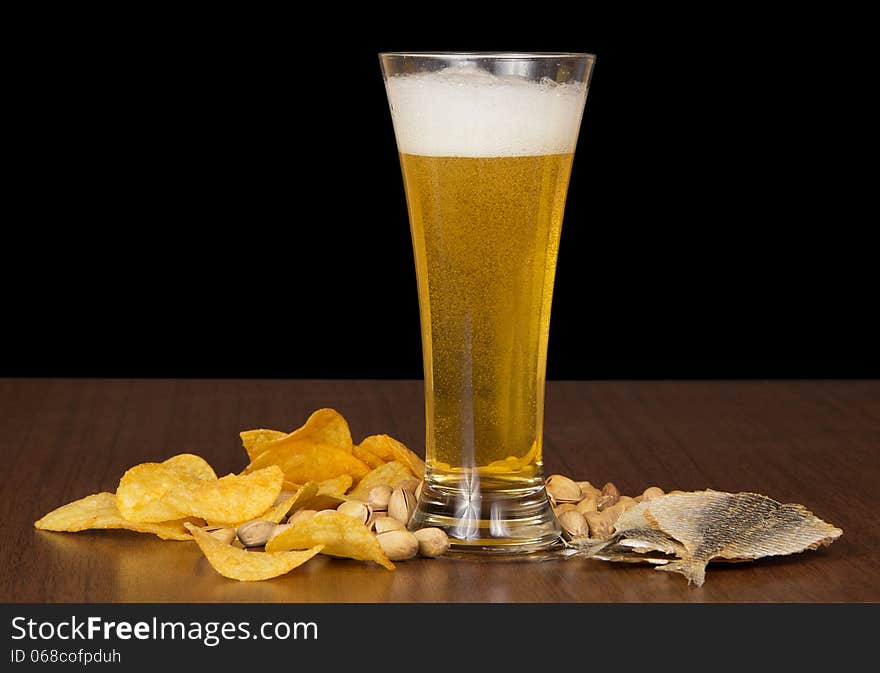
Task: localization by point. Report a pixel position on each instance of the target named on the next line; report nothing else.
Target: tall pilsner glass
(486, 142)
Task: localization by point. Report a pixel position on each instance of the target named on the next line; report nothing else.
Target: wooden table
(817, 443)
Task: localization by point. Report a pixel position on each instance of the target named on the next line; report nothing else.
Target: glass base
(483, 516)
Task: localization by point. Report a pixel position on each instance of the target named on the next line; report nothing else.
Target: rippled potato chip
(232, 499)
(303, 495)
(154, 492)
(143, 492)
(192, 465)
(325, 427)
(99, 512)
(255, 440)
(390, 474)
(407, 457)
(248, 566)
(378, 445)
(388, 449)
(364, 454)
(336, 486)
(316, 462)
(331, 492)
(328, 494)
(339, 534)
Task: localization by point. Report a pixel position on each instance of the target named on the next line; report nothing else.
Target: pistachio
(588, 504)
(573, 524)
(564, 507)
(601, 526)
(418, 492)
(278, 530)
(609, 496)
(301, 515)
(563, 489)
(356, 510)
(379, 496)
(604, 502)
(588, 489)
(401, 505)
(623, 503)
(652, 493)
(432, 542)
(225, 535)
(398, 545)
(410, 484)
(382, 524)
(255, 533)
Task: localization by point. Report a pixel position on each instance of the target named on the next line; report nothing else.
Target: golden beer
(486, 144)
(486, 233)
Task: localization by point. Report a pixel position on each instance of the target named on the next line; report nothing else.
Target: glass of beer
(486, 142)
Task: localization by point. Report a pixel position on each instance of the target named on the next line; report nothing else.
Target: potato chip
(388, 449)
(341, 536)
(303, 495)
(248, 566)
(143, 492)
(314, 462)
(407, 457)
(336, 486)
(331, 492)
(379, 446)
(153, 492)
(231, 499)
(390, 474)
(99, 512)
(326, 427)
(192, 465)
(363, 453)
(254, 441)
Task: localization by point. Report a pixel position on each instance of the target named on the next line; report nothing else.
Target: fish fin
(694, 571)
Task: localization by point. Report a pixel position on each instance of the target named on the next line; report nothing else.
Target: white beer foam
(465, 111)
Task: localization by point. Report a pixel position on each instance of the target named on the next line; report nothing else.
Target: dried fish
(682, 532)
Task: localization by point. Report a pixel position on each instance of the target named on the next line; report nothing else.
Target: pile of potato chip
(315, 467)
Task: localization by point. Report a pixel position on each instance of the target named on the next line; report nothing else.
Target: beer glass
(486, 142)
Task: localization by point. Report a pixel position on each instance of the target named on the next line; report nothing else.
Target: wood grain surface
(816, 443)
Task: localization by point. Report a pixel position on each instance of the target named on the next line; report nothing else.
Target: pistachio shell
(301, 515)
(225, 535)
(562, 489)
(398, 545)
(401, 505)
(410, 484)
(356, 510)
(382, 524)
(588, 504)
(573, 524)
(601, 526)
(255, 533)
(433, 542)
(379, 496)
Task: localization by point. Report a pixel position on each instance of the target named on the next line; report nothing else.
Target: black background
(219, 195)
